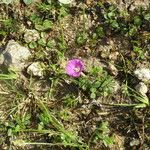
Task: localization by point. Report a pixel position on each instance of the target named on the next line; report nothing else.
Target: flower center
(77, 69)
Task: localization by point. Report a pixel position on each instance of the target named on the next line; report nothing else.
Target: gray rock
(15, 56)
(141, 88)
(35, 69)
(142, 74)
(31, 35)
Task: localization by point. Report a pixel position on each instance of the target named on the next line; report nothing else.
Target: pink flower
(74, 67)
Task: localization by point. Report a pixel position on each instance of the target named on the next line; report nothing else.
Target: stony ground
(107, 107)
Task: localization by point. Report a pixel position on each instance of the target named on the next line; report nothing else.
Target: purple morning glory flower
(74, 67)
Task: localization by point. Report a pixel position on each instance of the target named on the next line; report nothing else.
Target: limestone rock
(142, 74)
(35, 69)
(141, 88)
(15, 56)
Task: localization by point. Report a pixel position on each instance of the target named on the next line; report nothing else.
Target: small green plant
(8, 25)
(111, 17)
(102, 133)
(100, 32)
(9, 76)
(67, 138)
(142, 101)
(65, 114)
(81, 38)
(70, 101)
(138, 49)
(99, 83)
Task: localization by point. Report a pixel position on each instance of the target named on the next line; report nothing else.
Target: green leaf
(82, 38)
(42, 42)
(3, 33)
(100, 32)
(51, 43)
(9, 76)
(27, 2)
(32, 45)
(114, 24)
(147, 17)
(132, 30)
(47, 24)
(142, 105)
(93, 90)
(107, 140)
(93, 95)
(5, 1)
(137, 21)
(143, 99)
(111, 14)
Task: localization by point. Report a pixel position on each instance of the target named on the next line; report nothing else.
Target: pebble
(141, 88)
(35, 69)
(142, 74)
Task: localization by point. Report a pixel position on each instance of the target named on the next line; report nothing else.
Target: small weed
(102, 134)
(70, 101)
(81, 38)
(68, 138)
(9, 76)
(99, 83)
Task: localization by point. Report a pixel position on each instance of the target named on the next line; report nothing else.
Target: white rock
(65, 1)
(15, 56)
(142, 74)
(31, 35)
(141, 88)
(35, 69)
